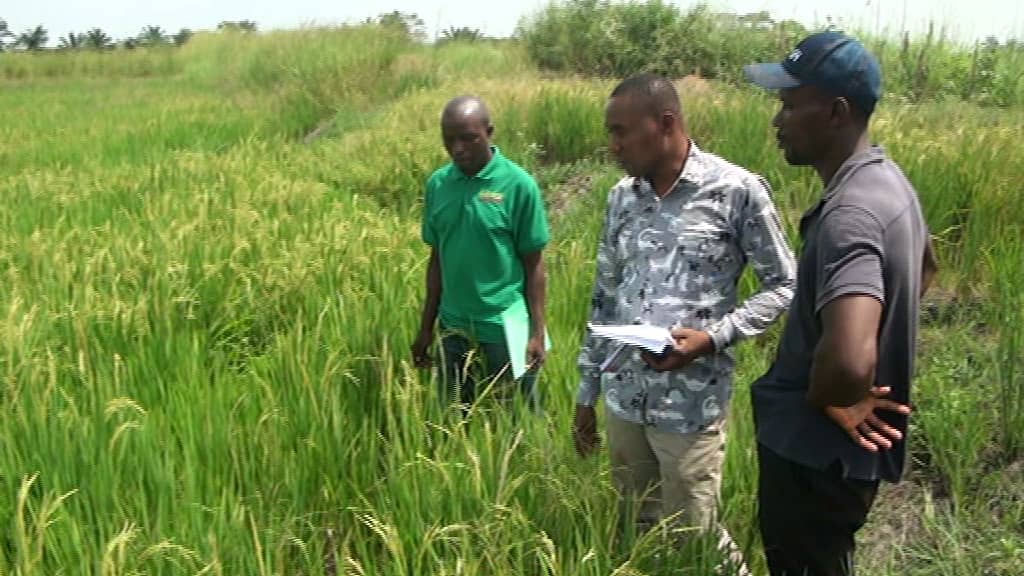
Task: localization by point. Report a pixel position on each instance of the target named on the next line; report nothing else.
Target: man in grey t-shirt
(831, 413)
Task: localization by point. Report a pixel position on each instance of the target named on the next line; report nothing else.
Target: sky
(965, 20)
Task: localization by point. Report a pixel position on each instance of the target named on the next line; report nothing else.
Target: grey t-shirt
(865, 236)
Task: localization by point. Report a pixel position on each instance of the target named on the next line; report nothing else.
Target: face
(804, 124)
(468, 142)
(635, 137)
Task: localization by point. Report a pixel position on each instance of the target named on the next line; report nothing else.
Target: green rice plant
(1008, 310)
(955, 421)
(565, 123)
(204, 321)
(156, 62)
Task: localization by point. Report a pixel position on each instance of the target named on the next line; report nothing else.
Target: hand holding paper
(664, 350)
(651, 338)
(516, 322)
(536, 351)
(688, 345)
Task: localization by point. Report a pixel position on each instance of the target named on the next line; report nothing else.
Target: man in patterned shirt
(678, 232)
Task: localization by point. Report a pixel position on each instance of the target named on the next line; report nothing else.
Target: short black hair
(657, 91)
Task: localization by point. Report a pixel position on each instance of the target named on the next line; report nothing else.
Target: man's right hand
(584, 431)
(863, 426)
(421, 349)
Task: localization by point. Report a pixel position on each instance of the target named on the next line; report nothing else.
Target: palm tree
(34, 38)
(409, 24)
(239, 26)
(72, 41)
(465, 34)
(181, 37)
(98, 39)
(152, 36)
(5, 32)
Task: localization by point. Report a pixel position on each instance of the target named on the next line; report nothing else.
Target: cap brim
(771, 76)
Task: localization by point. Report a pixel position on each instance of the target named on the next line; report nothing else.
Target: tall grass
(204, 324)
(605, 38)
(617, 39)
(139, 63)
(1008, 262)
(935, 66)
(314, 71)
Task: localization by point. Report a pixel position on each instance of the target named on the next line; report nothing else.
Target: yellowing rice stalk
(205, 322)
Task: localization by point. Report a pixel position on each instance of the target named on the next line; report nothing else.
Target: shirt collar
(695, 168)
(872, 155)
(693, 173)
(487, 172)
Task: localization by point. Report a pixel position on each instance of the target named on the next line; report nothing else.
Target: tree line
(38, 38)
(413, 27)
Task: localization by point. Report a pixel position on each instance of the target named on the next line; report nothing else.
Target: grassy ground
(204, 322)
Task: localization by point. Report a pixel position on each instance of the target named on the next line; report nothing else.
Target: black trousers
(809, 517)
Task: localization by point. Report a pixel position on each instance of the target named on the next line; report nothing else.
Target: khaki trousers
(662, 474)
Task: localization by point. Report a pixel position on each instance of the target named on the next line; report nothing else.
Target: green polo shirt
(481, 226)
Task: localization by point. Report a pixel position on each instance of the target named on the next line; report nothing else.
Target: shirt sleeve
(602, 310)
(850, 256)
(427, 231)
(764, 245)
(531, 223)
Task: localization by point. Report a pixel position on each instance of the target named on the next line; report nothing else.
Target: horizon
(984, 19)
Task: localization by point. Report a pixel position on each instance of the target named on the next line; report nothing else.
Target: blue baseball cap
(832, 61)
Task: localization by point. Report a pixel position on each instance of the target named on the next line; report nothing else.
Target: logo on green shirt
(491, 197)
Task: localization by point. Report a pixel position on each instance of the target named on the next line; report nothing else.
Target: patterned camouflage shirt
(677, 261)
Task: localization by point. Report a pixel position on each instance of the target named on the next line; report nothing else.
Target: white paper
(614, 361)
(516, 322)
(650, 338)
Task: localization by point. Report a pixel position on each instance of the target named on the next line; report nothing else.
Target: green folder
(516, 321)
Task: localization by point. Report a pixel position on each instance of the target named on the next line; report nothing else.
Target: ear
(842, 111)
(667, 121)
(490, 130)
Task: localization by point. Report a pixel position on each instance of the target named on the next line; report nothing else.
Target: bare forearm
(536, 290)
(836, 381)
(846, 356)
(433, 299)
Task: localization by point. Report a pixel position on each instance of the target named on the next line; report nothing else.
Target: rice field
(205, 318)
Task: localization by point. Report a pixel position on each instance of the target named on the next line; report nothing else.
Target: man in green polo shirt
(484, 219)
